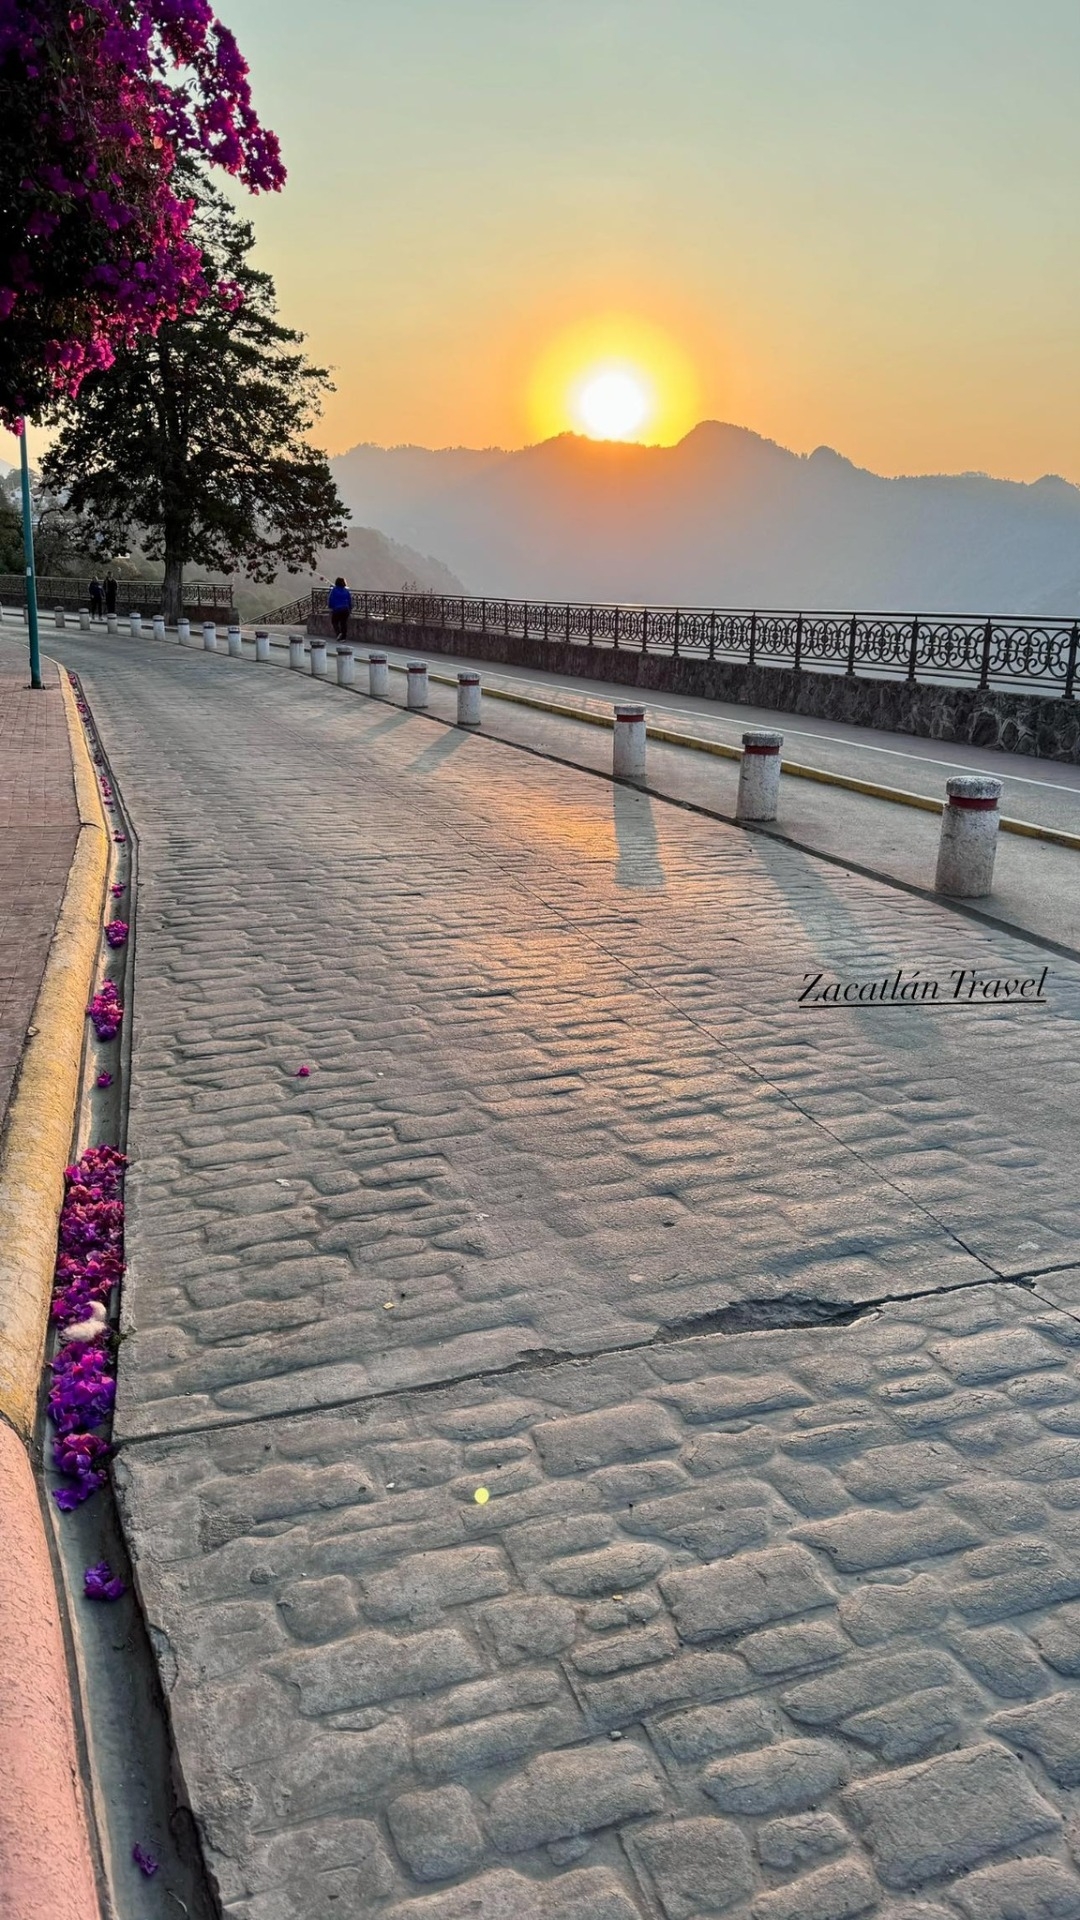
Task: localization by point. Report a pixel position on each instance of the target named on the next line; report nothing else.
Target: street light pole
(28, 550)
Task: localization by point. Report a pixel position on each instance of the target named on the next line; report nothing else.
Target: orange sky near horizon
(853, 223)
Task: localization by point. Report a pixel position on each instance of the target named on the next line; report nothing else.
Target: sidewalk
(599, 1444)
(39, 825)
(47, 940)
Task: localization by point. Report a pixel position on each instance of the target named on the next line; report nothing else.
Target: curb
(37, 1137)
(46, 1857)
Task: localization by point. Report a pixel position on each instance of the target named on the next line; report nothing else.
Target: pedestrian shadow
(638, 864)
(439, 750)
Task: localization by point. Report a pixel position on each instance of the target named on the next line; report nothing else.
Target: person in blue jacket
(339, 601)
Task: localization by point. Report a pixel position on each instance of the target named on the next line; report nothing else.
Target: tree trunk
(172, 592)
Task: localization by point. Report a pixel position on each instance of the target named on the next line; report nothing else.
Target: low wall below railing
(971, 716)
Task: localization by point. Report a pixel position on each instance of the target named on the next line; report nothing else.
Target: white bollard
(209, 637)
(183, 631)
(317, 651)
(345, 670)
(296, 651)
(468, 699)
(159, 626)
(628, 756)
(969, 830)
(378, 676)
(58, 617)
(236, 644)
(84, 619)
(112, 623)
(416, 686)
(135, 623)
(262, 645)
(759, 775)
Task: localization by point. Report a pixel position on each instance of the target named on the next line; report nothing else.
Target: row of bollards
(969, 822)
(969, 825)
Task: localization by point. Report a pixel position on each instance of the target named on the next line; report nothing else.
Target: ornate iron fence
(132, 596)
(1006, 651)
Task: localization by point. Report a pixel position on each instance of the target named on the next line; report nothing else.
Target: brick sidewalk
(39, 825)
(777, 1624)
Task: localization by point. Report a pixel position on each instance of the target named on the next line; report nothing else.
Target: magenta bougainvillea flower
(104, 1080)
(303, 1073)
(116, 932)
(117, 889)
(103, 98)
(106, 1011)
(101, 1583)
(144, 1861)
(81, 1391)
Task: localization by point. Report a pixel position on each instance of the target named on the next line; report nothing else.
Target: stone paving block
(749, 1592)
(1051, 1730)
(784, 1778)
(1027, 1889)
(436, 1834)
(835, 1892)
(948, 1813)
(800, 1840)
(697, 1866)
(560, 1795)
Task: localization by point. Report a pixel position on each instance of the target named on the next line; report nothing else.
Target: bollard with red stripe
(969, 831)
(628, 756)
(468, 699)
(416, 686)
(759, 775)
(378, 676)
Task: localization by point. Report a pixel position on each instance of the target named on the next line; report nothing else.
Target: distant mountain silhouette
(725, 518)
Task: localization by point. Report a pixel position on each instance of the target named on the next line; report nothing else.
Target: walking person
(339, 601)
(110, 594)
(97, 599)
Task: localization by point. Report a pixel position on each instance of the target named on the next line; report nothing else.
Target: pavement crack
(782, 1313)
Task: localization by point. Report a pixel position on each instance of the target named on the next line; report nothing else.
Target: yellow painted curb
(37, 1138)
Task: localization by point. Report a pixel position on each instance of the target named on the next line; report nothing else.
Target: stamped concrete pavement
(754, 1614)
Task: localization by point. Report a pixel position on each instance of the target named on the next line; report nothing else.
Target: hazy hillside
(725, 518)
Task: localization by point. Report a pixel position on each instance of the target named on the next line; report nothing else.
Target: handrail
(52, 589)
(1012, 650)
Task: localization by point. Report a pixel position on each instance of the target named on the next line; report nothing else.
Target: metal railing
(58, 590)
(1007, 651)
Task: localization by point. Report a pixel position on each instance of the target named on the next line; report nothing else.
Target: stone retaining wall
(1012, 722)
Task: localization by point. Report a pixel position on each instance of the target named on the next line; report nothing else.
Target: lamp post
(28, 550)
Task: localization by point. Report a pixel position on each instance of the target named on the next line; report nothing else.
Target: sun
(614, 376)
(613, 403)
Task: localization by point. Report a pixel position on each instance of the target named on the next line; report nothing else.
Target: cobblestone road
(780, 1623)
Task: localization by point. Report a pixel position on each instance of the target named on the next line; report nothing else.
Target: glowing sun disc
(613, 404)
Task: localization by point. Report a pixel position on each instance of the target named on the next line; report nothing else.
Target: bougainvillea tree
(99, 100)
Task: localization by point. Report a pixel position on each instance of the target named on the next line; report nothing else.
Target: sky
(851, 222)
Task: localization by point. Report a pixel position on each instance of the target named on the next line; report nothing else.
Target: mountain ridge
(726, 516)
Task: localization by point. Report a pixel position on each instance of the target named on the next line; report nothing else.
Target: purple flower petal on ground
(119, 887)
(144, 1861)
(101, 1583)
(303, 1073)
(103, 1080)
(116, 932)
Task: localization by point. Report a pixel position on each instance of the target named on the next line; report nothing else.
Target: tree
(99, 102)
(194, 435)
